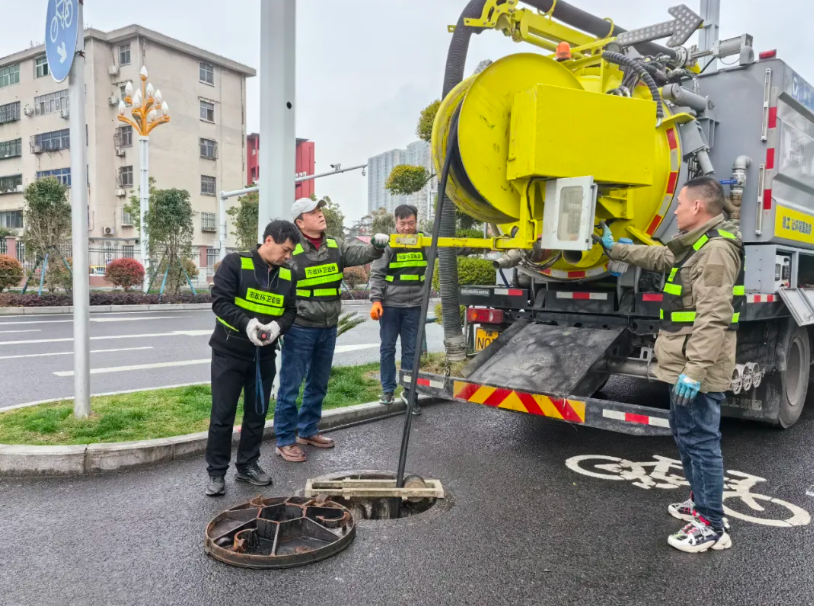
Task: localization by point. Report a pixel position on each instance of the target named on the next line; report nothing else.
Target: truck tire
(786, 391)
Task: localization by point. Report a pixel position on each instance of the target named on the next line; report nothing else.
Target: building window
(123, 95)
(207, 73)
(41, 67)
(127, 221)
(209, 149)
(124, 54)
(207, 111)
(128, 251)
(126, 176)
(11, 149)
(63, 175)
(9, 75)
(53, 141)
(50, 103)
(10, 184)
(125, 136)
(207, 186)
(11, 218)
(9, 112)
(208, 222)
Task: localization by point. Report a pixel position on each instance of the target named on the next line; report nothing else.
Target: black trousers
(230, 376)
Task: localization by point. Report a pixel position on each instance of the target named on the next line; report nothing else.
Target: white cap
(305, 205)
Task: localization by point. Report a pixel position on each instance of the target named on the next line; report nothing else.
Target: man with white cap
(318, 263)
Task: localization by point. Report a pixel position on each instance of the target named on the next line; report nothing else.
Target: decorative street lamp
(148, 110)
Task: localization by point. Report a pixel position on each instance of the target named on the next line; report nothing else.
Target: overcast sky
(365, 69)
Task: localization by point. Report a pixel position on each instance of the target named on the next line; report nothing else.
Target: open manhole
(383, 510)
(279, 532)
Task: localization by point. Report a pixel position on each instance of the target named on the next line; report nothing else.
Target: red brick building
(304, 163)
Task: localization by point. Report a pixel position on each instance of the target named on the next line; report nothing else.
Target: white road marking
(185, 333)
(100, 371)
(92, 320)
(70, 353)
(2, 332)
(116, 313)
(346, 348)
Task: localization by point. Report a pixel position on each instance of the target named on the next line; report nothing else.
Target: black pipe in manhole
(382, 510)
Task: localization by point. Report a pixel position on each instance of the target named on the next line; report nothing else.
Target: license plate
(483, 338)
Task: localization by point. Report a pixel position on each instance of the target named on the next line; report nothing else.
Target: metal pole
(710, 32)
(222, 224)
(144, 205)
(277, 96)
(328, 174)
(79, 226)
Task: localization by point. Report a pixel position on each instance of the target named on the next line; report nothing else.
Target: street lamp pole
(148, 111)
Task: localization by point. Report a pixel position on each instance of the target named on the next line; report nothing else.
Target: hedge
(101, 298)
(471, 270)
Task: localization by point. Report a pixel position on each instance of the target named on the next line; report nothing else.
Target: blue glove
(607, 237)
(686, 389)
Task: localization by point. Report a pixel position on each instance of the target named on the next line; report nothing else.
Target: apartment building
(379, 168)
(202, 149)
(303, 165)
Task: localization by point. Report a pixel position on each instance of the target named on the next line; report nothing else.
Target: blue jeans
(397, 321)
(306, 351)
(696, 429)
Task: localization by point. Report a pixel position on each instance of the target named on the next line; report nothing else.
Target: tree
(47, 216)
(168, 224)
(11, 272)
(5, 232)
(383, 222)
(406, 179)
(425, 121)
(334, 217)
(244, 220)
(354, 276)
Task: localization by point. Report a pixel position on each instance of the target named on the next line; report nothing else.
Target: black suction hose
(454, 342)
(412, 395)
(636, 66)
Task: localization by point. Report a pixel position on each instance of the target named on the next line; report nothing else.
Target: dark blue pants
(696, 429)
(306, 351)
(397, 321)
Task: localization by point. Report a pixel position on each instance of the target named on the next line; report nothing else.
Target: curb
(83, 459)
(68, 309)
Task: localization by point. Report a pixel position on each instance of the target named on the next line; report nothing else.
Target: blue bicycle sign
(60, 37)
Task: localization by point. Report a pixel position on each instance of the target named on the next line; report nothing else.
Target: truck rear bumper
(589, 412)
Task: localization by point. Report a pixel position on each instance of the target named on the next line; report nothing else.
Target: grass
(160, 413)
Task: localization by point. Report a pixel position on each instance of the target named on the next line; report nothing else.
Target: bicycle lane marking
(737, 484)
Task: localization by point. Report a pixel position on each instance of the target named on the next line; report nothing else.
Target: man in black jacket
(253, 300)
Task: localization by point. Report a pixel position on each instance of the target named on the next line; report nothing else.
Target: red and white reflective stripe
(629, 417)
(761, 298)
(509, 292)
(771, 146)
(576, 275)
(672, 182)
(652, 297)
(421, 382)
(598, 296)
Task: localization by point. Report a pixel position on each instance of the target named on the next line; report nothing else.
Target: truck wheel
(786, 391)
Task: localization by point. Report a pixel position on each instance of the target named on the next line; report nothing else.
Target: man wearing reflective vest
(253, 300)
(695, 350)
(396, 289)
(318, 263)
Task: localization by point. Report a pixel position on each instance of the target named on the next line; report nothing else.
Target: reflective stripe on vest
(673, 315)
(405, 277)
(318, 292)
(407, 267)
(226, 324)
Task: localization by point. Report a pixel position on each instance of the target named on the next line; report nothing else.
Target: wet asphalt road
(524, 528)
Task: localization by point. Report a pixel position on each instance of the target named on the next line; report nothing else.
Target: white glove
(252, 329)
(380, 241)
(272, 330)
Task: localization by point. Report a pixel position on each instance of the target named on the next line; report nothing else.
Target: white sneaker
(697, 537)
(686, 511)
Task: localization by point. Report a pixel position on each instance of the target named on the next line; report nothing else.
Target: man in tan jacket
(695, 349)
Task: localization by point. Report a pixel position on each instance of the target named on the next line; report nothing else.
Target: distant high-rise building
(379, 168)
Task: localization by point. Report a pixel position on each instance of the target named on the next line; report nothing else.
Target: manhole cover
(279, 532)
(382, 510)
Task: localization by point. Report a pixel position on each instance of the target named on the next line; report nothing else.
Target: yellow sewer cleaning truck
(605, 126)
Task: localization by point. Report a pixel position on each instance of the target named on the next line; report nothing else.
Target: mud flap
(560, 360)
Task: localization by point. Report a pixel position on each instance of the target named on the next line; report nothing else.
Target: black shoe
(416, 408)
(253, 474)
(216, 486)
(386, 398)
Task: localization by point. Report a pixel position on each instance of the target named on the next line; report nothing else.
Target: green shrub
(176, 279)
(126, 273)
(438, 317)
(11, 272)
(469, 233)
(471, 270)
